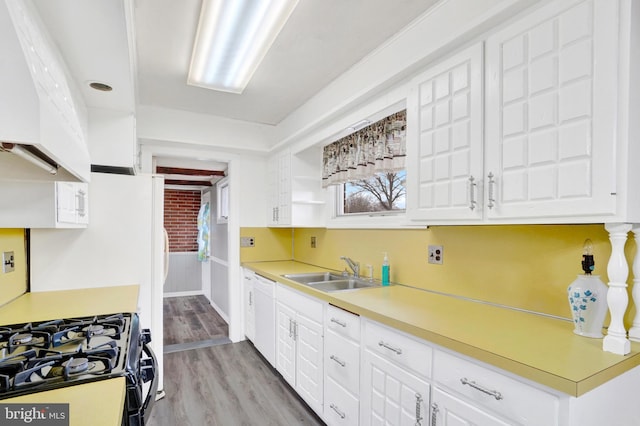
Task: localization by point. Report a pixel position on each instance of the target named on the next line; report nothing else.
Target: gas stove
(46, 355)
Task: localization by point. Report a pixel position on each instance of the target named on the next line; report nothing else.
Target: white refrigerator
(123, 245)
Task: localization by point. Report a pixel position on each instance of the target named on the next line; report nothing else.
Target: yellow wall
(523, 266)
(270, 244)
(528, 267)
(13, 284)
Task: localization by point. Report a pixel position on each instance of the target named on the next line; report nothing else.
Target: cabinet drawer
(340, 408)
(399, 347)
(311, 307)
(343, 322)
(342, 361)
(490, 389)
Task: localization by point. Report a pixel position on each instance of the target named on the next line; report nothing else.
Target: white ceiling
(322, 39)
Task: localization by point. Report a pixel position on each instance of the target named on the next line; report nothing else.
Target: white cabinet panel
(299, 344)
(286, 344)
(444, 127)
(551, 84)
(249, 306)
(447, 410)
(391, 395)
(264, 308)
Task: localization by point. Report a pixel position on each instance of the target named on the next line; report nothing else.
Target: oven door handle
(151, 396)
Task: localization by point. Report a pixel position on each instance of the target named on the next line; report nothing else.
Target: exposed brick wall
(181, 219)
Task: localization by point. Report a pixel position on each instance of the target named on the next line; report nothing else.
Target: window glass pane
(382, 193)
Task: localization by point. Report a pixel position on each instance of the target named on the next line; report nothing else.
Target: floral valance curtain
(379, 147)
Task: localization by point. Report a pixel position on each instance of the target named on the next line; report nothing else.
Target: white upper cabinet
(444, 152)
(551, 113)
(296, 197)
(550, 141)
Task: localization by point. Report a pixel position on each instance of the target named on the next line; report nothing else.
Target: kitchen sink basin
(314, 277)
(330, 282)
(341, 285)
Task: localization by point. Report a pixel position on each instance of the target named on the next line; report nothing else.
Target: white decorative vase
(588, 301)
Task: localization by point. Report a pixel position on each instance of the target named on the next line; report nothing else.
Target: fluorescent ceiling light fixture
(26, 154)
(232, 39)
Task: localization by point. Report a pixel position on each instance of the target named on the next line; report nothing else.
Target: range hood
(38, 107)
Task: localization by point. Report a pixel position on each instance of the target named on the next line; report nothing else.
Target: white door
(309, 361)
(392, 396)
(445, 144)
(551, 113)
(447, 410)
(285, 343)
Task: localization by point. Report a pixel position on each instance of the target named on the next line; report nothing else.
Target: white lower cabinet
(392, 395)
(395, 388)
(479, 391)
(249, 306)
(447, 410)
(341, 367)
(299, 344)
(263, 301)
(354, 371)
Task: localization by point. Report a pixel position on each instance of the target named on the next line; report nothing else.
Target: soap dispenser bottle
(385, 270)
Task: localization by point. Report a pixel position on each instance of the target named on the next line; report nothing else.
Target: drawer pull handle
(434, 413)
(472, 193)
(340, 323)
(491, 184)
(497, 395)
(338, 360)
(388, 346)
(418, 409)
(338, 412)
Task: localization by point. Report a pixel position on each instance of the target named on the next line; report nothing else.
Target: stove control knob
(145, 336)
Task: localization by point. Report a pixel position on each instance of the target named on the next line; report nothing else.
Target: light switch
(8, 262)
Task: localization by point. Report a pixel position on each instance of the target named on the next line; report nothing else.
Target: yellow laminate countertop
(97, 403)
(536, 347)
(49, 305)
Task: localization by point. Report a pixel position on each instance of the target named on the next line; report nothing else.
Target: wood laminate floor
(225, 384)
(191, 319)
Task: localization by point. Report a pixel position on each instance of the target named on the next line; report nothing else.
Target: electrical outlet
(436, 254)
(313, 242)
(8, 262)
(247, 242)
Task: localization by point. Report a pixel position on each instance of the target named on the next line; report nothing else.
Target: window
(382, 194)
(222, 188)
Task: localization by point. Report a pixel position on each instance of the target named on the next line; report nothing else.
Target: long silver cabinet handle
(337, 410)
(388, 346)
(338, 360)
(418, 409)
(491, 184)
(497, 395)
(340, 323)
(472, 193)
(434, 413)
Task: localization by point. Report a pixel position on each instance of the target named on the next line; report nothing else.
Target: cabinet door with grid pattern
(391, 395)
(551, 103)
(444, 131)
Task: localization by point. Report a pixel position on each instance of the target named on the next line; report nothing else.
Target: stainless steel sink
(341, 285)
(314, 277)
(330, 282)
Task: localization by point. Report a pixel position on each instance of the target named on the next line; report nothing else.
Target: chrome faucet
(355, 266)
